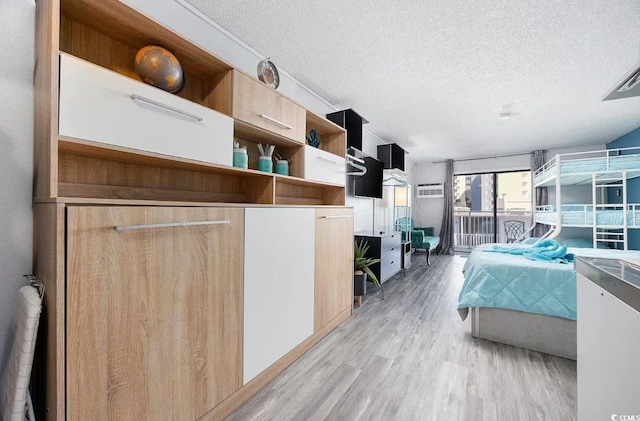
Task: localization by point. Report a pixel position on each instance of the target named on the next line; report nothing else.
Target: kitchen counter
(618, 277)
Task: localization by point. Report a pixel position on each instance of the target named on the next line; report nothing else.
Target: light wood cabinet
(256, 104)
(154, 314)
(150, 324)
(333, 264)
(278, 284)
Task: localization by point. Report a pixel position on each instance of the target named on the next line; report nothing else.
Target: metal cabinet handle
(335, 216)
(278, 122)
(329, 160)
(137, 97)
(169, 225)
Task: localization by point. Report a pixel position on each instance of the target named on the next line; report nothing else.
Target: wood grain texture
(334, 196)
(154, 316)
(219, 92)
(120, 22)
(82, 176)
(146, 193)
(257, 134)
(86, 162)
(82, 147)
(48, 265)
(410, 357)
(333, 138)
(45, 87)
(297, 194)
(259, 190)
(297, 201)
(251, 98)
(96, 47)
(333, 264)
(238, 398)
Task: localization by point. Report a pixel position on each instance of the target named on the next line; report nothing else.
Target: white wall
(428, 212)
(16, 157)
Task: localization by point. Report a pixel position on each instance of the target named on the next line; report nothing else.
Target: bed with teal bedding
(513, 282)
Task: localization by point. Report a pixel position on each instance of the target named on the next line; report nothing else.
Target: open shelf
(333, 138)
(101, 171)
(291, 191)
(73, 146)
(110, 36)
(249, 136)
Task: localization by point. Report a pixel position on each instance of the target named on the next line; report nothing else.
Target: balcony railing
(475, 228)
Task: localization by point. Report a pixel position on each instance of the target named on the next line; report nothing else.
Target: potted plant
(362, 267)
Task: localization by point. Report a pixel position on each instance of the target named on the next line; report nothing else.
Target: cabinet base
(230, 404)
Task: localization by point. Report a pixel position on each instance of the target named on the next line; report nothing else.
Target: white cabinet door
(278, 284)
(608, 344)
(104, 106)
(324, 166)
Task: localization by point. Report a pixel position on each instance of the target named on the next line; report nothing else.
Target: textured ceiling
(432, 75)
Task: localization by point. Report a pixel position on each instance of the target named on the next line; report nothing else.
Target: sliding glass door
(491, 207)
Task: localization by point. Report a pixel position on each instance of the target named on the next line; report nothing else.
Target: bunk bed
(498, 312)
(601, 170)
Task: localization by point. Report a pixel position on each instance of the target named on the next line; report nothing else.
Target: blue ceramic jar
(282, 167)
(240, 158)
(265, 164)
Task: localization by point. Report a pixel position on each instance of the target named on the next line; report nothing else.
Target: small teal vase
(265, 164)
(240, 158)
(282, 167)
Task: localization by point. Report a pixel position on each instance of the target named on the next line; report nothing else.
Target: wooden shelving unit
(109, 34)
(77, 170)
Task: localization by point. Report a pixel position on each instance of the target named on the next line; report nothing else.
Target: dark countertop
(618, 277)
(376, 234)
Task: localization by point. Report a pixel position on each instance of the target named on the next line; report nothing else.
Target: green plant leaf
(363, 263)
(373, 277)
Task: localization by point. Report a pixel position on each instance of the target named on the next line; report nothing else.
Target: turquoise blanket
(544, 251)
(507, 280)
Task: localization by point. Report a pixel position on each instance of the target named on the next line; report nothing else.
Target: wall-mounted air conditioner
(430, 191)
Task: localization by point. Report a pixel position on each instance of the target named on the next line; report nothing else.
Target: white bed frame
(537, 332)
(550, 175)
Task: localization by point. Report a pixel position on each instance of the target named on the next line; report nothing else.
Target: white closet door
(278, 284)
(104, 106)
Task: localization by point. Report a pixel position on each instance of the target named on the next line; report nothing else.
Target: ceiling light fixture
(506, 111)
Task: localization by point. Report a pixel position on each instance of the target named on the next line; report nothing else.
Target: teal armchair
(421, 238)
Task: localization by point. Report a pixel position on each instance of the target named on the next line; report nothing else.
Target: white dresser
(388, 248)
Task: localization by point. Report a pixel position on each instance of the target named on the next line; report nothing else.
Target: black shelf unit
(352, 122)
(392, 156)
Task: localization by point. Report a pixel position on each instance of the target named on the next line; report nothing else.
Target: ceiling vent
(626, 87)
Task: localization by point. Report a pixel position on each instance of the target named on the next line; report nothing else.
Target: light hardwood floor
(410, 357)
